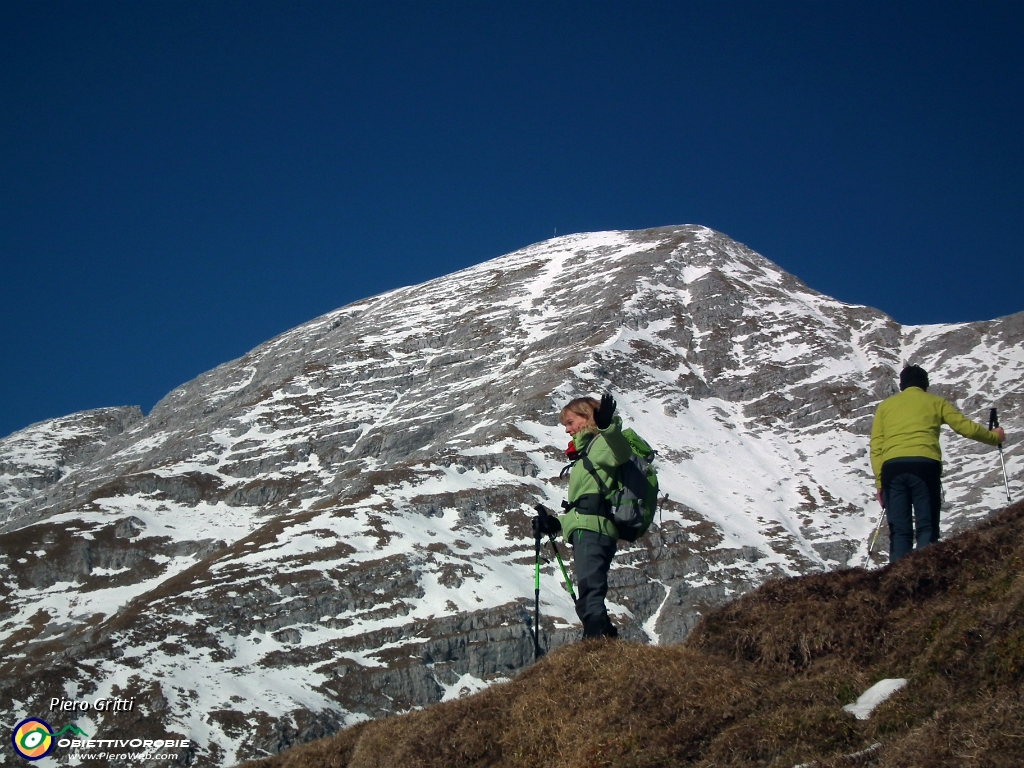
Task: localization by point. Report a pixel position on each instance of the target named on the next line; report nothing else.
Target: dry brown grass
(760, 682)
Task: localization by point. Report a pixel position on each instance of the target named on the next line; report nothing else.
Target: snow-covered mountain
(336, 525)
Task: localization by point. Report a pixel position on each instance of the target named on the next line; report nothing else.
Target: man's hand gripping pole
(993, 423)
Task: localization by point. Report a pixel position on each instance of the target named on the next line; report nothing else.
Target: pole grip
(993, 420)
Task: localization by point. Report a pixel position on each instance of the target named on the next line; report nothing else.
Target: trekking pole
(567, 582)
(536, 596)
(993, 422)
(565, 574)
(874, 537)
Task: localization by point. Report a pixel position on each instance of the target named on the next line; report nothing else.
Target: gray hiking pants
(592, 555)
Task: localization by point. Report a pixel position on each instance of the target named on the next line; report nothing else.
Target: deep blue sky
(180, 181)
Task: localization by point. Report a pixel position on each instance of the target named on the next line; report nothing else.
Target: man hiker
(907, 460)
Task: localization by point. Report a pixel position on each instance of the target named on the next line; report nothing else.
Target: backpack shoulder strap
(589, 466)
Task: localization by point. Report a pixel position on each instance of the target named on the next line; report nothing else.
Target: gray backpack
(632, 500)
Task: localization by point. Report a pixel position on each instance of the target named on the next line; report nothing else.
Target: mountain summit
(335, 526)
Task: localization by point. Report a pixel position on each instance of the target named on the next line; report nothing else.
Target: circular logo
(32, 738)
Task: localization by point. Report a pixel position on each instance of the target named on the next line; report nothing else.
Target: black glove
(545, 523)
(603, 416)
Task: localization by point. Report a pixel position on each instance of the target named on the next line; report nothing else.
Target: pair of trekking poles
(544, 512)
(993, 423)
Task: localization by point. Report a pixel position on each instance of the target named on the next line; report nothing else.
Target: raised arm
(964, 426)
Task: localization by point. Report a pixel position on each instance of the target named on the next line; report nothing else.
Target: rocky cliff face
(336, 525)
(35, 459)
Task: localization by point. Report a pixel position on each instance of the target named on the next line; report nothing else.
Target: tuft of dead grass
(760, 682)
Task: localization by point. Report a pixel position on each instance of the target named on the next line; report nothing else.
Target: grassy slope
(760, 681)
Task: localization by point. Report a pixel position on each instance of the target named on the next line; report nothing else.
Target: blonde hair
(581, 406)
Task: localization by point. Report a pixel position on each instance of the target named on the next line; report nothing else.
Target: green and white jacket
(606, 449)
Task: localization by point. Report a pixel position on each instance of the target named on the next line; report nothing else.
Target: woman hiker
(597, 448)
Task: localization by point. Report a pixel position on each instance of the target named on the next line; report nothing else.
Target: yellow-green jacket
(908, 424)
(606, 449)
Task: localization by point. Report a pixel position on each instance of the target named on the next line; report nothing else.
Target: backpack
(633, 500)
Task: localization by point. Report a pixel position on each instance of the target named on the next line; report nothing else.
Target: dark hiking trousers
(912, 495)
(592, 555)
